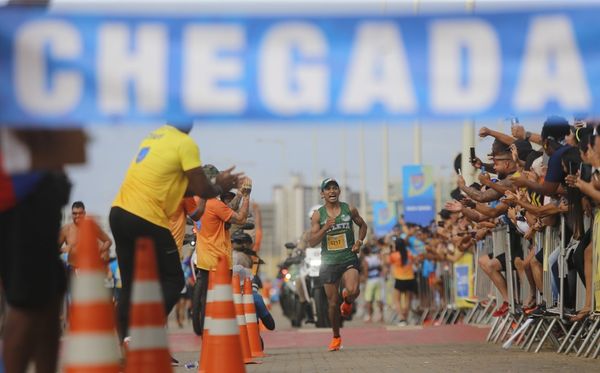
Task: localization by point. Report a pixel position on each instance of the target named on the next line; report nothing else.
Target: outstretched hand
(453, 206)
(227, 180)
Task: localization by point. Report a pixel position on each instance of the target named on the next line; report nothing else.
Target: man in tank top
(332, 226)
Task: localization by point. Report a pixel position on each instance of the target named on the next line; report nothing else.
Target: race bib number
(337, 242)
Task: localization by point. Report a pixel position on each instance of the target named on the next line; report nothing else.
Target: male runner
(69, 232)
(331, 225)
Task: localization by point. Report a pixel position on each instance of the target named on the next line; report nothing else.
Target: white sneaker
(402, 323)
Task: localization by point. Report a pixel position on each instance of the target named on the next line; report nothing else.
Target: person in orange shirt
(402, 262)
(213, 239)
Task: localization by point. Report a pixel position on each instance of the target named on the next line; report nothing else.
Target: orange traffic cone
(148, 350)
(92, 344)
(251, 321)
(225, 350)
(241, 318)
(204, 352)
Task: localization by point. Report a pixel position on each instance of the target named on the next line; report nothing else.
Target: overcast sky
(269, 154)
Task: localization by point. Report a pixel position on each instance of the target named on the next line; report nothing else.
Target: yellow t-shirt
(155, 182)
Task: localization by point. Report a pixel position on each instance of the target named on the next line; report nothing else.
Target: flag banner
(384, 217)
(463, 281)
(105, 68)
(418, 194)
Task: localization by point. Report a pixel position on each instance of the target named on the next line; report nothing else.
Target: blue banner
(418, 194)
(109, 68)
(385, 217)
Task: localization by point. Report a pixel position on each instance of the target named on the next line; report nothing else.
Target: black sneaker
(174, 362)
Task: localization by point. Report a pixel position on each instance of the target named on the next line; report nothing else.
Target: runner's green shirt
(336, 246)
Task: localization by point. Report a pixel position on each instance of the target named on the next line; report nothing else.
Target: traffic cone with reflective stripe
(92, 342)
(204, 352)
(241, 318)
(251, 321)
(148, 351)
(225, 350)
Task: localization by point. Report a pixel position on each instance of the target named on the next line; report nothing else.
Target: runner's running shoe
(345, 308)
(336, 344)
(501, 311)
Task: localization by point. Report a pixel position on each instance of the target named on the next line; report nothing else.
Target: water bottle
(191, 365)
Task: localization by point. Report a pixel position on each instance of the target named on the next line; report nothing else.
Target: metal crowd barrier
(580, 337)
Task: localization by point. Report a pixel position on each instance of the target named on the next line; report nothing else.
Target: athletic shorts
(406, 285)
(515, 252)
(374, 289)
(332, 273)
(30, 266)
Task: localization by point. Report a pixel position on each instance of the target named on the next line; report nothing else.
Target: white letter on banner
(32, 92)
(204, 69)
(378, 71)
(478, 41)
(291, 87)
(145, 67)
(552, 67)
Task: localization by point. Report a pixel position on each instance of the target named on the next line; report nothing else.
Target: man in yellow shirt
(167, 165)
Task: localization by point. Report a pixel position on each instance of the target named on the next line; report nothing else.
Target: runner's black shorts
(406, 285)
(30, 267)
(332, 273)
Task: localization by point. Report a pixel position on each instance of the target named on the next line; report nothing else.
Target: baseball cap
(328, 181)
(210, 171)
(506, 156)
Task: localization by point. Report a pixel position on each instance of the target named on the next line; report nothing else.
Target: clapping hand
(227, 180)
(453, 206)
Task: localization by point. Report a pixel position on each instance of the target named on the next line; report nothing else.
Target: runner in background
(67, 240)
(372, 269)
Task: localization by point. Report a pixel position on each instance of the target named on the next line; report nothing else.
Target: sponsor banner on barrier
(418, 194)
(385, 217)
(58, 68)
(463, 281)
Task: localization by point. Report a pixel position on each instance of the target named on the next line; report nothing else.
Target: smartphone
(482, 169)
(472, 154)
(585, 172)
(572, 168)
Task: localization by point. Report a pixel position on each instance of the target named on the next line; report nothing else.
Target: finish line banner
(60, 68)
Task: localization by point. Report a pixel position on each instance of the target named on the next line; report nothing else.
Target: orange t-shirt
(402, 272)
(178, 219)
(213, 239)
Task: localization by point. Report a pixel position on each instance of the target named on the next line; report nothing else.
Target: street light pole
(363, 173)
(386, 164)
